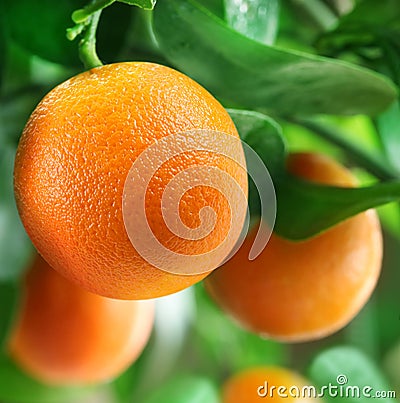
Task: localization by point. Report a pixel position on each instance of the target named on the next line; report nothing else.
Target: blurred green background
(249, 57)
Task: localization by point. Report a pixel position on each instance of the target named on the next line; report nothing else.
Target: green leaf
(362, 27)
(15, 246)
(185, 389)
(264, 136)
(9, 293)
(257, 20)
(389, 132)
(216, 7)
(43, 31)
(250, 74)
(145, 4)
(306, 209)
(20, 388)
(341, 363)
(264, 133)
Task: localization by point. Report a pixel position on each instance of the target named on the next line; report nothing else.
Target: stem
(87, 46)
(374, 165)
(83, 14)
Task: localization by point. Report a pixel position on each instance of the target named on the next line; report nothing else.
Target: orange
(272, 384)
(300, 291)
(73, 160)
(66, 335)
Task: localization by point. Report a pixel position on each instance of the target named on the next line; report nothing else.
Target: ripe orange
(300, 291)
(74, 157)
(263, 383)
(66, 335)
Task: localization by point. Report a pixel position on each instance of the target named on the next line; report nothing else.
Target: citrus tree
(292, 106)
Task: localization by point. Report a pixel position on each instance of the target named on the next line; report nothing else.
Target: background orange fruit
(73, 159)
(244, 386)
(299, 291)
(66, 335)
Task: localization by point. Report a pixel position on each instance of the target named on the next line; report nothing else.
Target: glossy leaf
(185, 389)
(348, 366)
(307, 209)
(18, 387)
(15, 247)
(304, 209)
(145, 4)
(43, 32)
(260, 131)
(257, 20)
(264, 136)
(217, 7)
(247, 73)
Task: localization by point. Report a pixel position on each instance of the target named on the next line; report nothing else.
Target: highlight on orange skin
(302, 291)
(262, 384)
(65, 335)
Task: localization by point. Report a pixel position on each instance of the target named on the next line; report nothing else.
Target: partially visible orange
(66, 335)
(74, 157)
(301, 291)
(271, 384)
